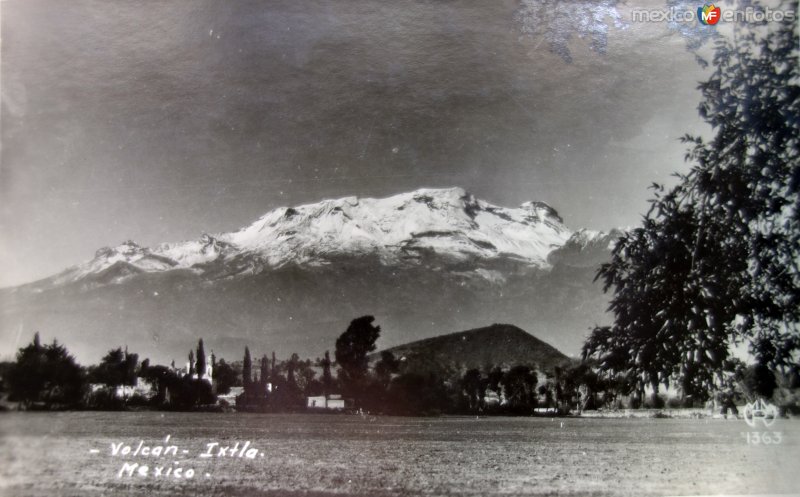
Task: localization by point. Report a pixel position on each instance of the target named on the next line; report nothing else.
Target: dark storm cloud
(157, 120)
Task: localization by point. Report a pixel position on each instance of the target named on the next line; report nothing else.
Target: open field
(47, 454)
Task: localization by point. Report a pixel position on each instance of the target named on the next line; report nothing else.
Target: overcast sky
(159, 120)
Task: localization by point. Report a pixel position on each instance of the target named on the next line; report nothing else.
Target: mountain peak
(541, 209)
(453, 194)
(437, 227)
(123, 251)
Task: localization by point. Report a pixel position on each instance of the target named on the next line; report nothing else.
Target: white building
(142, 387)
(322, 402)
(230, 397)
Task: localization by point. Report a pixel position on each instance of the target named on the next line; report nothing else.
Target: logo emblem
(708, 14)
(762, 411)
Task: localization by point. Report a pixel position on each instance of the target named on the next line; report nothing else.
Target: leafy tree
(584, 384)
(130, 367)
(111, 370)
(46, 373)
(547, 393)
(287, 393)
(352, 348)
(305, 377)
(494, 379)
(187, 392)
(519, 387)
(161, 377)
(415, 394)
(226, 377)
(715, 262)
(758, 381)
(191, 363)
(559, 395)
(386, 367)
(5, 367)
(116, 368)
(291, 367)
(473, 386)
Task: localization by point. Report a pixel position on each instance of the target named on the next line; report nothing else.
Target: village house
(142, 388)
(333, 402)
(230, 397)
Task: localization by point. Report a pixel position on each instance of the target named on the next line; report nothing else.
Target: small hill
(502, 345)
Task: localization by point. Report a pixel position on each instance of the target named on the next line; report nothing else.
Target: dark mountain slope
(502, 345)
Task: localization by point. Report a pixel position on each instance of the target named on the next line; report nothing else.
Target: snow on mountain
(426, 262)
(449, 222)
(403, 229)
(128, 254)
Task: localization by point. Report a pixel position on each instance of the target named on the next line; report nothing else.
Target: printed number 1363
(766, 437)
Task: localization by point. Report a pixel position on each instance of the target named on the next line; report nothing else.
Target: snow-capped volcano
(423, 263)
(447, 224)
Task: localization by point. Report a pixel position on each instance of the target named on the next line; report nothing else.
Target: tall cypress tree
(201, 359)
(247, 373)
(327, 380)
(264, 372)
(291, 367)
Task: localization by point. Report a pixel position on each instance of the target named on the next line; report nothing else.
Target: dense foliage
(46, 374)
(352, 348)
(715, 262)
(116, 368)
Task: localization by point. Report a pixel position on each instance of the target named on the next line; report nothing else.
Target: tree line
(46, 376)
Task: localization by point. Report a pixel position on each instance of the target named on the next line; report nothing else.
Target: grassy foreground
(52, 454)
